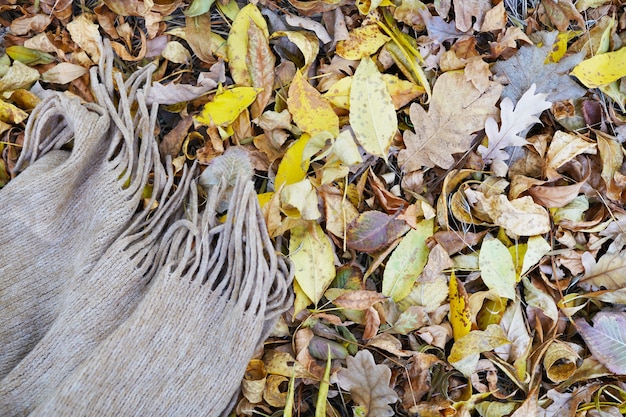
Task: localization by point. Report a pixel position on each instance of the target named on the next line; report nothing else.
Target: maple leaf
(457, 110)
(368, 384)
(529, 67)
(514, 121)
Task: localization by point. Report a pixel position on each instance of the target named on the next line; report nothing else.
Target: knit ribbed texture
(67, 208)
(184, 349)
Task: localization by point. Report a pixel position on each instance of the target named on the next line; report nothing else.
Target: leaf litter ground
(447, 179)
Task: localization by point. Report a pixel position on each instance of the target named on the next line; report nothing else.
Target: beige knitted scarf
(110, 310)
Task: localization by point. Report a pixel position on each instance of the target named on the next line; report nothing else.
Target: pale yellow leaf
(407, 261)
(372, 114)
(299, 200)
(18, 76)
(63, 73)
(313, 260)
(497, 268)
(465, 352)
(86, 35)
(175, 52)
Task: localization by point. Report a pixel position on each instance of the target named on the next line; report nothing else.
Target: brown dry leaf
(373, 230)
(465, 352)
(467, 11)
(609, 272)
(457, 110)
(30, 24)
(11, 114)
(520, 217)
(560, 360)
(368, 384)
(198, 36)
(260, 62)
(561, 12)
(563, 148)
(86, 35)
(358, 299)
(495, 19)
(612, 155)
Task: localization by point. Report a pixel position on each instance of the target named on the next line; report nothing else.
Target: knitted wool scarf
(107, 309)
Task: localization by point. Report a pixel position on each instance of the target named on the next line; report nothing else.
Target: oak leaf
(514, 121)
(457, 110)
(368, 384)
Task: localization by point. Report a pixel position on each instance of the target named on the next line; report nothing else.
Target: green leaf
(372, 114)
(407, 261)
(497, 268)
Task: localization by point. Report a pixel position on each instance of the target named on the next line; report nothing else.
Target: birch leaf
(497, 268)
(311, 112)
(368, 384)
(407, 261)
(457, 110)
(606, 339)
(372, 114)
(313, 259)
(514, 122)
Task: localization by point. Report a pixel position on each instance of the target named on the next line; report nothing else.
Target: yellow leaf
(299, 200)
(264, 198)
(402, 92)
(611, 154)
(497, 268)
(292, 168)
(313, 260)
(18, 76)
(301, 300)
(372, 115)
(362, 41)
(460, 317)
(310, 111)
(227, 106)
(9, 113)
(237, 42)
(559, 47)
(407, 261)
(175, 52)
(465, 352)
(601, 69)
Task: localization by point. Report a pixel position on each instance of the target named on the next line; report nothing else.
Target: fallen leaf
(466, 352)
(514, 122)
(237, 42)
(18, 76)
(362, 42)
(612, 156)
(358, 299)
(293, 168)
(86, 35)
(260, 61)
(407, 261)
(63, 73)
(313, 259)
(606, 339)
(527, 67)
(456, 111)
(368, 384)
(497, 269)
(310, 111)
(227, 106)
(560, 361)
(411, 319)
(608, 273)
(372, 114)
(460, 317)
(470, 13)
(373, 230)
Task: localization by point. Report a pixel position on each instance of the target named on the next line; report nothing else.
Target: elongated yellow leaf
(227, 106)
(310, 111)
(601, 69)
(407, 261)
(313, 259)
(497, 268)
(372, 114)
(292, 168)
(237, 42)
(460, 317)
